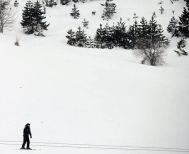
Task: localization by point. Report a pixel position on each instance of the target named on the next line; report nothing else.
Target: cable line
(96, 146)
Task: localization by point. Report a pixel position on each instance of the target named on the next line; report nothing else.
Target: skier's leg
(24, 142)
(28, 143)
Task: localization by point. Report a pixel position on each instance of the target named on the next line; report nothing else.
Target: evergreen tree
(90, 43)
(37, 19)
(180, 46)
(99, 37)
(85, 23)
(27, 18)
(64, 2)
(50, 3)
(184, 23)
(80, 38)
(109, 10)
(75, 12)
(71, 37)
(119, 35)
(187, 3)
(173, 27)
(161, 10)
(152, 45)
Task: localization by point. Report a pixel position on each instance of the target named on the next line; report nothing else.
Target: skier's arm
(30, 133)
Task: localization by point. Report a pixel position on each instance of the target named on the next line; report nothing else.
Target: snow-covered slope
(91, 96)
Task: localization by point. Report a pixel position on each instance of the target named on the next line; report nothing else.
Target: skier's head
(28, 124)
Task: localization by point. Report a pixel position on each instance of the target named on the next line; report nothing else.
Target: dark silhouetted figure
(26, 135)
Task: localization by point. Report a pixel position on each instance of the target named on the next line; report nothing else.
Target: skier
(26, 135)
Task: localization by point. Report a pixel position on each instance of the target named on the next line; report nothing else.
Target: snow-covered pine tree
(71, 37)
(184, 23)
(27, 18)
(187, 3)
(85, 23)
(64, 2)
(173, 27)
(75, 12)
(80, 37)
(151, 47)
(109, 10)
(108, 38)
(90, 42)
(119, 34)
(51, 3)
(99, 37)
(37, 19)
(132, 33)
(180, 46)
(161, 10)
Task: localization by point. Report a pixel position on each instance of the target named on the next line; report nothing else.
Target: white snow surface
(91, 96)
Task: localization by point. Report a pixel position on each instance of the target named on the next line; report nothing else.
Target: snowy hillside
(92, 96)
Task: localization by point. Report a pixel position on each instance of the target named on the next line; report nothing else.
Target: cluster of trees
(33, 18)
(180, 28)
(65, 2)
(146, 37)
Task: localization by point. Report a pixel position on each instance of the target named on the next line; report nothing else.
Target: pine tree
(109, 10)
(50, 3)
(187, 3)
(85, 23)
(90, 42)
(119, 34)
(184, 23)
(64, 2)
(37, 19)
(180, 46)
(75, 12)
(80, 38)
(27, 18)
(173, 27)
(99, 37)
(71, 37)
(152, 45)
(161, 10)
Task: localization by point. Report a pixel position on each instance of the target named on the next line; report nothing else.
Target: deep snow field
(92, 96)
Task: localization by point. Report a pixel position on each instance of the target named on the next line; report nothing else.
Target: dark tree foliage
(38, 17)
(33, 19)
(184, 23)
(109, 10)
(51, 3)
(16, 3)
(180, 46)
(187, 3)
(85, 23)
(71, 37)
(75, 1)
(151, 45)
(27, 18)
(65, 2)
(75, 12)
(104, 37)
(173, 27)
(78, 38)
